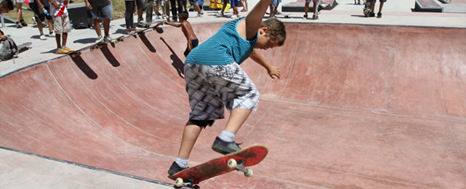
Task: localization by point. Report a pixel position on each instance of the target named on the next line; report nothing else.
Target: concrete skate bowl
(356, 107)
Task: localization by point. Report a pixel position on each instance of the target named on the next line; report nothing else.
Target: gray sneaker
(175, 168)
(223, 147)
(107, 38)
(99, 39)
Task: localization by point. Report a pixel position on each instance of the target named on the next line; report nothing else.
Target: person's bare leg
(380, 7)
(306, 7)
(64, 38)
(140, 12)
(196, 7)
(107, 26)
(237, 118)
(58, 38)
(97, 26)
(40, 27)
(190, 134)
(50, 23)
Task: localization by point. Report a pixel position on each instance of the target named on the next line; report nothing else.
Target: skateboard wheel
(179, 182)
(232, 163)
(249, 173)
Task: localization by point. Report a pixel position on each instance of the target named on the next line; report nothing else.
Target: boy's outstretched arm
(254, 18)
(273, 71)
(172, 24)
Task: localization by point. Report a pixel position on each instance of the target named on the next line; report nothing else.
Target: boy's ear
(264, 29)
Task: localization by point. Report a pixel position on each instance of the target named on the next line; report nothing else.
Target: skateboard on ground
(139, 32)
(90, 47)
(367, 8)
(24, 47)
(246, 157)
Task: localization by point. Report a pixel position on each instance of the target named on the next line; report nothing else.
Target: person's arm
(273, 71)
(57, 6)
(172, 24)
(254, 18)
(40, 5)
(88, 5)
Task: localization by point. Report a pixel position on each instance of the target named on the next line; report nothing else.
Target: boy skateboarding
(215, 80)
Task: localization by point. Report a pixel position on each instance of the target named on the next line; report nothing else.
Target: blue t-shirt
(225, 47)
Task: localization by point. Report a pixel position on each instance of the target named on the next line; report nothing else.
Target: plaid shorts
(213, 87)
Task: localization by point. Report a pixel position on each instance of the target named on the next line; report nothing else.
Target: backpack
(8, 49)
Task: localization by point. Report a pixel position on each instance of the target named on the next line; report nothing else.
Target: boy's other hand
(274, 72)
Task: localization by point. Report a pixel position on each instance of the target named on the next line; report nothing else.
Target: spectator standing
(379, 14)
(129, 19)
(102, 9)
(19, 14)
(315, 8)
(61, 24)
(38, 7)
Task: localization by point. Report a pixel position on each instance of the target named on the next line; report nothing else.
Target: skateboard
(139, 32)
(367, 8)
(246, 157)
(24, 47)
(90, 47)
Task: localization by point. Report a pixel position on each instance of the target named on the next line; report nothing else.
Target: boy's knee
(202, 123)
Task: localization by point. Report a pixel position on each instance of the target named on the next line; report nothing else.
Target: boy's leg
(96, 23)
(64, 39)
(379, 14)
(58, 39)
(237, 117)
(50, 23)
(381, 6)
(107, 26)
(306, 9)
(190, 134)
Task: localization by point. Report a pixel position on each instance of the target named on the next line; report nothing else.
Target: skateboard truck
(188, 182)
(239, 167)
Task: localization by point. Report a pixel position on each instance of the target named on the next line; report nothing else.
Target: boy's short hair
(185, 15)
(8, 4)
(276, 31)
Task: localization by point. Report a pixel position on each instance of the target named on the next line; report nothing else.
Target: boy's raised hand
(274, 72)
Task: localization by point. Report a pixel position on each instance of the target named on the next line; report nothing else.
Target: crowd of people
(55, 14)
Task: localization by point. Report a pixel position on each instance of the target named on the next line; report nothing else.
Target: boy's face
(263, 41)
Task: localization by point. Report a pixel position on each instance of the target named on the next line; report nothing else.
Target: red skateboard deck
(246, 157)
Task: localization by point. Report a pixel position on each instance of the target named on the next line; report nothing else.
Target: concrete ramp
(357, 107)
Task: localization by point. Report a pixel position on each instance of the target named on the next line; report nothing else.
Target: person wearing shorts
(195, 3)
(316, 4)
(379, 14)
(61, 24)
(102, 9)
(141, 4)
(19, 14)
(234, 5)
(160, 3)
(215, 80)
(37, 7)
(274, 8)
